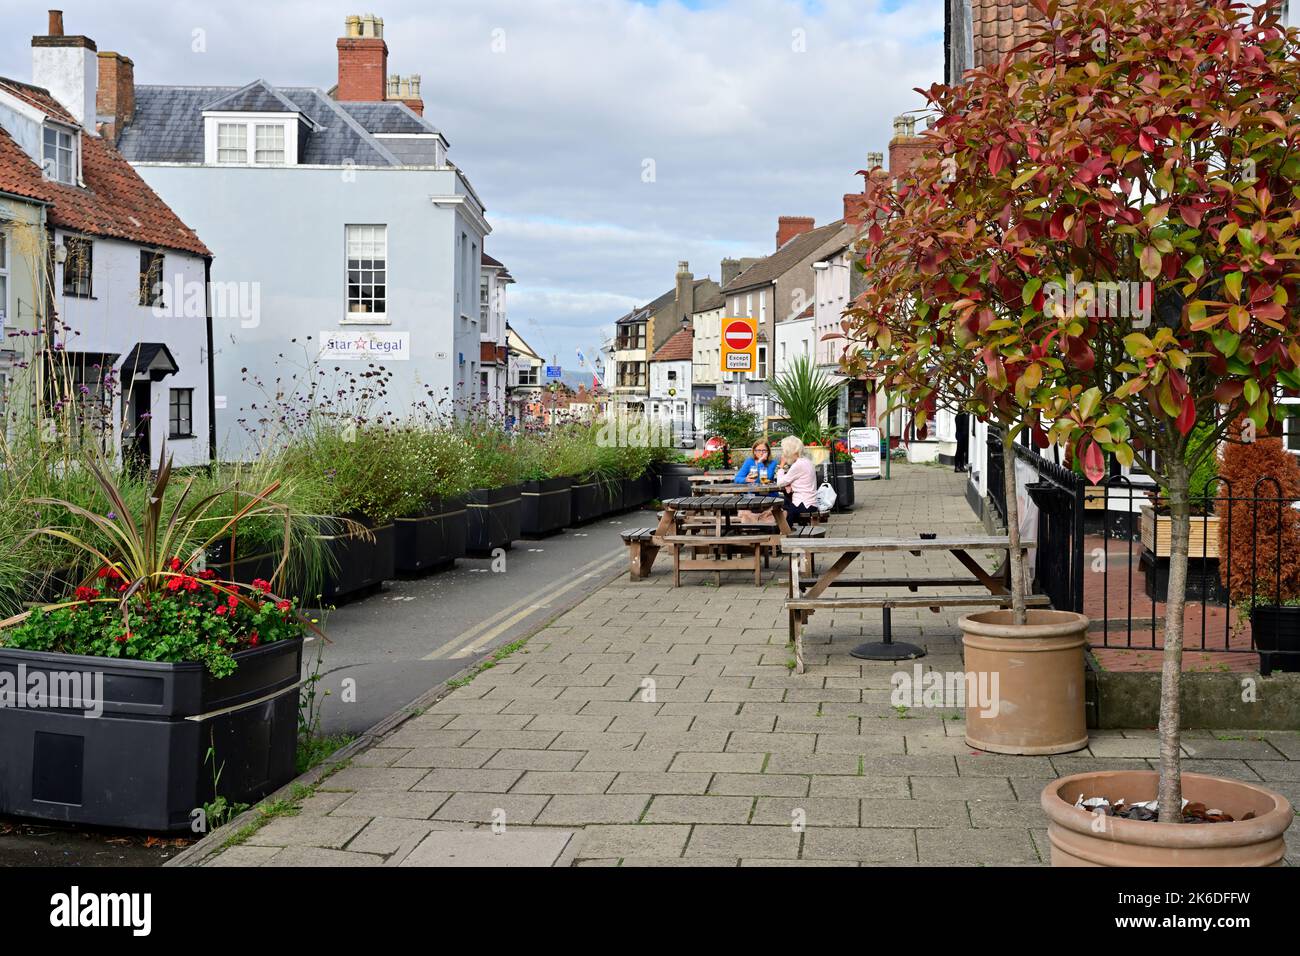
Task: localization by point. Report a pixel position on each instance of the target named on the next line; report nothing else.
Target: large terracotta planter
(1080, 838)
(1034, 673)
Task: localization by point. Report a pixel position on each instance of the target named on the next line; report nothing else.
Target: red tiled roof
(115, 202)
(678, 348)
(997, 26)
(18, 174)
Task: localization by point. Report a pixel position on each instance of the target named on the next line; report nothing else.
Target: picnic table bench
(803, 602)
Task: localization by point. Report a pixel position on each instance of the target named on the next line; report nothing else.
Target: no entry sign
(739, 344)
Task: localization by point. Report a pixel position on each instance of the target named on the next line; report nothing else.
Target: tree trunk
(1171, 668)
(1014, 554)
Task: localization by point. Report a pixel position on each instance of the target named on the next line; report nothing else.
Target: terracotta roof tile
(998, 26)
(18, 174)
(678, 348)
(114, 203)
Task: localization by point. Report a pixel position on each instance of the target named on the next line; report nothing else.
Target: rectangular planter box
(1156, 531)
(611, 496)
(545, 507)
(1203, 582)
(587, 501)
(637, 491)
(353, 565)
(140, 765)
(432, 539)
(494, 518)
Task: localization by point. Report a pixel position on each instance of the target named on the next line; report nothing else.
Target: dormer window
(270, 145)
(232, 143)
(59, 159)
(250, 140)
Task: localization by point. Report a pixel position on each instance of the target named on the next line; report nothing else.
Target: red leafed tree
(1252, 525)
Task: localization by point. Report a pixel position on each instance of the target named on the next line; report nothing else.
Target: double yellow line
(488, 630)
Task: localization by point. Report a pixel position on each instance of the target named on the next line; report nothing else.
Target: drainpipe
(212, 378)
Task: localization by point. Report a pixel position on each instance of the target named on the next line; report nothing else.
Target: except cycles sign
(739, 344)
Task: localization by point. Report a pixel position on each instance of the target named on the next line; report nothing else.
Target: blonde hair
(791, 446)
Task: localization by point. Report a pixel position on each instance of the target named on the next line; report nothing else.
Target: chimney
(853, 203)
(730, 269)
(406, 89)
(68, 67)
(363, 60)
(115, 100)
(787, 227)
(906, 147)
(685, 290)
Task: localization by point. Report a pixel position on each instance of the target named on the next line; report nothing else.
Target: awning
(151, 360)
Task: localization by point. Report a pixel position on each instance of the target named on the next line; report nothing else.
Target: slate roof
(711, 301)
(167, 126)
(678, 348)
(796, 250)
(114, 202)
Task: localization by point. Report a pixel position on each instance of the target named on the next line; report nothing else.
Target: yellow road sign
(739, 344)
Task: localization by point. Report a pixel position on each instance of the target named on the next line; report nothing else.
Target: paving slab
(512, 847)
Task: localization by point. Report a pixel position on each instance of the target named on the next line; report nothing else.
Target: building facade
(376, 255)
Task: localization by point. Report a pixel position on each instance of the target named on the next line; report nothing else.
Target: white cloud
(553, 130)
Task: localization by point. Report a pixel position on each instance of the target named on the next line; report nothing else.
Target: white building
(343, 234)
(524, 377)
(494, 370)
(125, 307)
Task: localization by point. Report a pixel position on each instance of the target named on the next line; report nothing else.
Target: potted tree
(195, 677)
(1135, 167)
(1259, 534)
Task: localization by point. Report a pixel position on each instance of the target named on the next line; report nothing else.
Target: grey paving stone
(411, 804)
(534, 760)
(701, 740)
(488, 722)
(1227, 749)
(1269, 770)
(1018, 815)
(747, 742)
(814, 763)
(606, 742)
(692, 809)
(312, 856)
(864, 745)
(911, 813)
(376, 778)
(411, 734)
(515, 740)
(582, 723)
(841, 863)
(452, 779)
(378, 756)
(719, 763)
(929, 765)
(392, 835)
(659, 782)
(989, 847)
(632, 841)
(514, 808)
(243, 856)
(759, 784)
(323, 831)
(851, 786)
(709, 840)
(514, 846)
(868, 846)
(650, 760)
(429, 757)
(669, 723)
(578, 809)
(553, 781)
(816, 811)
(1002, 765)
(961, 788)
(322, 802)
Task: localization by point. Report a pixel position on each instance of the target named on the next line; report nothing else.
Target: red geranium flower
(87, 594)
(261, 585)
(176, 564)
(232, 602)
(220, 610)
(283, 606)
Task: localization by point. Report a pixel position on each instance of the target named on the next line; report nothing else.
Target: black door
(135, 453)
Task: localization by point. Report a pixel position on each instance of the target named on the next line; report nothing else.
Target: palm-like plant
(805, 392)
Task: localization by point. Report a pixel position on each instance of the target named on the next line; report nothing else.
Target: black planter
(611, 496)
(1276, 632)
(673, 481)
(140, 765)
(841, 478)
(545, 507)
(494, 518)
(1203, 582)
(434, 538)
(588, 501)
(637, 491)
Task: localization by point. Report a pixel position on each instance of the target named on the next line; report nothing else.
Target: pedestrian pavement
(657, 726)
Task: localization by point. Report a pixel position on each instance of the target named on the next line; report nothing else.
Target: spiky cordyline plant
(805, 393)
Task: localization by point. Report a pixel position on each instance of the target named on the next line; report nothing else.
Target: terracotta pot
(1119, 842)
(1032, 682)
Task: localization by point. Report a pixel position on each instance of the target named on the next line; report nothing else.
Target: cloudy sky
(608, 138)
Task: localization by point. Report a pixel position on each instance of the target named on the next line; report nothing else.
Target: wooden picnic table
(721, 487)
(803, 601)
(728, 546)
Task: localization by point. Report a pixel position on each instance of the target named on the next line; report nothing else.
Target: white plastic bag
(825, 497)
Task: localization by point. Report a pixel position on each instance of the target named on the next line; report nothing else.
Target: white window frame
(749, 305)
(760, 371)
(252, 122)
(232, 138)
(351, 317)
(4, 285)
(73, 150)
(281, 148)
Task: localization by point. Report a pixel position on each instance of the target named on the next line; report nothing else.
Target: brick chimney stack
(363, 60)
(56, 23)
(906, 147)
(787, 227)
(407, 90)
(685, 290)
(115, 98)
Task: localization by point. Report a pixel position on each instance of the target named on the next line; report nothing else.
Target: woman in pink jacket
(797, 478)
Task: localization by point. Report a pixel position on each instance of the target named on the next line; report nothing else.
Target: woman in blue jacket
(758, 467)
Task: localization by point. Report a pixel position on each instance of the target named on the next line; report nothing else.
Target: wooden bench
(641, 551)
(751, 543)
(797, 608)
